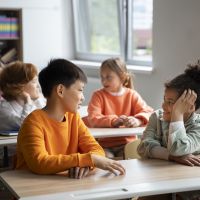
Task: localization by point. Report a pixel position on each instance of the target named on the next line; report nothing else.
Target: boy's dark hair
(190, 79)
(59, 71)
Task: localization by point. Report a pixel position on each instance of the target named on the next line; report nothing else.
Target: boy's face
(110, 80)
(73, 96)
(170, 97)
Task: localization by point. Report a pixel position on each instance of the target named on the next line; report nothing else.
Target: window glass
(108, 28)
(141, 30)
(97, 27)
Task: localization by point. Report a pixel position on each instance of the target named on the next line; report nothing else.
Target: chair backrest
(130, 150)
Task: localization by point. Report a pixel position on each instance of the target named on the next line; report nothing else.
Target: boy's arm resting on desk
(32, 150)
(150, 147)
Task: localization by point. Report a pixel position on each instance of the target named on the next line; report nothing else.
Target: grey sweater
(12, 114)
(184, 140)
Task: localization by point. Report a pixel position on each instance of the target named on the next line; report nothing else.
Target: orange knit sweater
(104, 107)
(46, 146)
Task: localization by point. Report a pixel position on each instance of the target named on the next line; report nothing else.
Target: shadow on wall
(92, 85)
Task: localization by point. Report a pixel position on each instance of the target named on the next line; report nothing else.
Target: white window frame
(93, 61)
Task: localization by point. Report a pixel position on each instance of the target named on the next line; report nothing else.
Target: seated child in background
(55, 139)
(20, 92)
(20, 95)
(116, 104)
(173, 132)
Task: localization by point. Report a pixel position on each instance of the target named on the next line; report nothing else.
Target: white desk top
(6, 140)
(96, 132)
(116, 132)
(143, 177)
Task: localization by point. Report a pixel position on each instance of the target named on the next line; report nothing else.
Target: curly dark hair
(190, 79)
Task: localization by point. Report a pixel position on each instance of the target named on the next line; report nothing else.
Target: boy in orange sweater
(55, 139)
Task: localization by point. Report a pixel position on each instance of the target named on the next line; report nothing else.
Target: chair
(130, 150)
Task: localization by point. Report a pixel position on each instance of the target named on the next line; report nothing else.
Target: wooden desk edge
(8, 187)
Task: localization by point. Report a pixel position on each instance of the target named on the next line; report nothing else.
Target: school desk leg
(5, 156)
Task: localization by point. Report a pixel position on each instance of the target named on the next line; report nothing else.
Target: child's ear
(59, 90)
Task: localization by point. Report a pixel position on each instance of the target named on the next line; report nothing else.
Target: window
(110, 28)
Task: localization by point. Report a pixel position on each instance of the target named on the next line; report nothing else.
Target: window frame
(125, 26)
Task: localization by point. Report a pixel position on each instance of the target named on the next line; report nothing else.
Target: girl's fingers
(183, 96)
(193, 96)
(187, 162)
(77, 171)
(83, 172)
(86, 171)
(195, 161)
(80, 173)
(71, 172)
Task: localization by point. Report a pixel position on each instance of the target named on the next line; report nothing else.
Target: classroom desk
(116, 132)
(6, 140)
(96, 132)
(143, 177)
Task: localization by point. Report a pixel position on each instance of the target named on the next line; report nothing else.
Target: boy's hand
(184, 104)
(108, 164)
(190, 160)
(78, 172)
(132, 122)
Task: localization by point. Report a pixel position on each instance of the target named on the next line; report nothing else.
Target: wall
(45, 29)
(176, 42)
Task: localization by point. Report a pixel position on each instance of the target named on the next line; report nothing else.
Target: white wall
(44, 29)
(176, 42)
(48, 32)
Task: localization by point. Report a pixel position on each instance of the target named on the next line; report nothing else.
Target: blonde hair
(119, 67)
(14, 77)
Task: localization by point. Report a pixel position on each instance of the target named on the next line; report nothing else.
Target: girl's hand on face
(78, 172)
(26, 97)
(131, 122)
(190, 160)
(184, 104)
(104, 163)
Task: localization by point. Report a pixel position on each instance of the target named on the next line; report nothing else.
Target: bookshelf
(10, 35)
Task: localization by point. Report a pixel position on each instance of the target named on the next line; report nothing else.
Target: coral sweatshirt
(104, 108)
